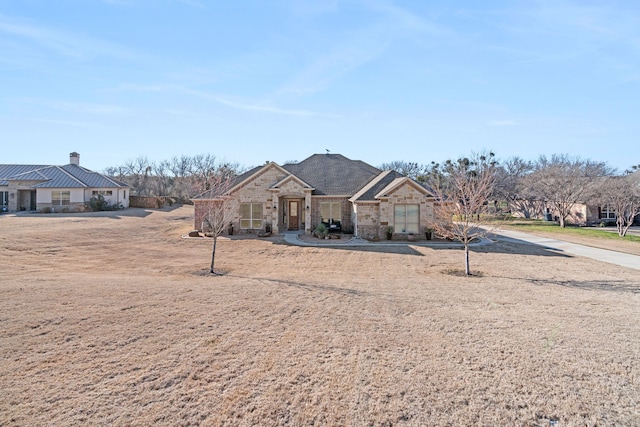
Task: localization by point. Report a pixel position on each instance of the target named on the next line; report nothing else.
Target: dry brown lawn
(112, 320)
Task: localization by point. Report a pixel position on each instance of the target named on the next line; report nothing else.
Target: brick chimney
(74, 158)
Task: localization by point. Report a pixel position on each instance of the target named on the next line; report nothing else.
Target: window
(607, 212)
(251, 215)
(102, 192)
(407, 219)
(331, 210)
(60, 198)
(4, 198)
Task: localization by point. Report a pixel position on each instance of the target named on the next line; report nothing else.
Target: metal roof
(67, 176)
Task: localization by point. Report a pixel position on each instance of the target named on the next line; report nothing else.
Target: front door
(32, 204)
(293, 214)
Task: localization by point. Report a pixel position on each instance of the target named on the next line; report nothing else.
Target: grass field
(111, 319)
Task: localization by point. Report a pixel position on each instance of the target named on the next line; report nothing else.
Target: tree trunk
(561, 218)
(467, 271)
(213, 254)
(620, 226)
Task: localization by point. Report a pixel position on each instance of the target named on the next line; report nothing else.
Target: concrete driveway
(612, 257)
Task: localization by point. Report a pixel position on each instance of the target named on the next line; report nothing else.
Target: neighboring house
(326, 188)
(67, 188)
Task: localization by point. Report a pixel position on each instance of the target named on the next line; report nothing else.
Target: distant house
(67, 188)
(581, 213)
(345, 194)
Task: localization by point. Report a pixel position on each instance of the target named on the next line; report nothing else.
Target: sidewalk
(611, 257)
(293, 238)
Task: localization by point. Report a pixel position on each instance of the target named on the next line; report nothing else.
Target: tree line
(520, 186)
(181, 177)
(526, 187)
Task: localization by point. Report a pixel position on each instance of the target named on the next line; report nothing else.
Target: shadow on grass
(128, 212)
(400, 249)
(513, 246)
(519, 247)
(304, 286)
(592, 285)
(123, 213)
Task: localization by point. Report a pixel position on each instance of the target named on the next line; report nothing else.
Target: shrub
(321, 231)
(99, 203)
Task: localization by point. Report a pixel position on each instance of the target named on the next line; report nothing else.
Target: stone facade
(345, 211)
(288, 203)
(375, 218)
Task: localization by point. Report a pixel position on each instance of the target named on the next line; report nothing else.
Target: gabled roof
(368, 192)
(333, 174)
(67, 176)
(385, 184)
(291, 178)
(398, 182)
(7, 171)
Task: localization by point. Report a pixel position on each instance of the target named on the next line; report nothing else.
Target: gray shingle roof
(380, 185)
(333, 174)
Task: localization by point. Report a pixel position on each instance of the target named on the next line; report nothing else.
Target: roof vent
(74, 158)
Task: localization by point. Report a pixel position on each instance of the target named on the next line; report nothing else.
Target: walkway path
(294, 239)
(612, 257)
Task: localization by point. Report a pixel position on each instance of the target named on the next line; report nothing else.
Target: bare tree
(411, 169)
(462, 190)
(633, 169)
(509, 187)
(163, 180)
(137, 172)
(622, 195)
(218, 211)
(562, 182)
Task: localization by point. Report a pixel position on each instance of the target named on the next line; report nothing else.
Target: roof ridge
(72, 176)
(369, 185)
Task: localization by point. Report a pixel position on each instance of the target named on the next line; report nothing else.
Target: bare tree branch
(462, 190)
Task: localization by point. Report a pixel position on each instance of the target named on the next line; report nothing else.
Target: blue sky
(377, 80)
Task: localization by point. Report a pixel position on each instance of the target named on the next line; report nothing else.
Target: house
(67, 188)
(325, 188)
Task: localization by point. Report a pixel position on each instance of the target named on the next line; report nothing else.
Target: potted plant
(428, 233)
(389, 232)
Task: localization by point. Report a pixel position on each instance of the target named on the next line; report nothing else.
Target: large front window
(407, 219)
(607, 212)
(60, 198)
(331, 211)
(251, 215)
(4, 198)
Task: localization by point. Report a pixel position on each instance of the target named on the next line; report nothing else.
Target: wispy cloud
(235, 103)
(341, 59)
(68, 123)
(90, 108)
(76, 107)
(502, 123)
(563, 31)
(355, 48)
(62, 42)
